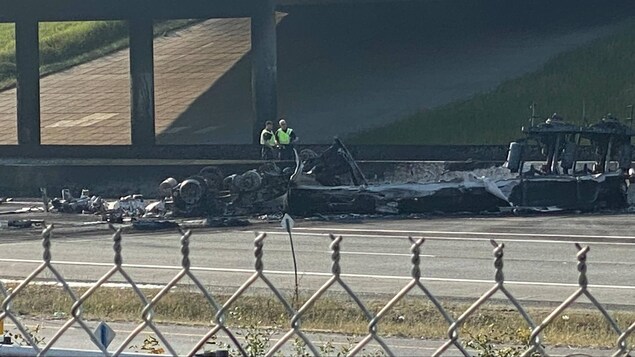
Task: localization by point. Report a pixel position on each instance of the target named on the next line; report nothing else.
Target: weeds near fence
(257, 339)
(334, 314)
(34, 335)
(497, 343)
(150, 345)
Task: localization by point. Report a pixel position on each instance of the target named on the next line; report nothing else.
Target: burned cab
(562, 180)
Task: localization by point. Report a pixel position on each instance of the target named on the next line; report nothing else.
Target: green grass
(601, 74)
(64, 44)
(412, 317)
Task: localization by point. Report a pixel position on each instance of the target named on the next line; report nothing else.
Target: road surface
(457, 260)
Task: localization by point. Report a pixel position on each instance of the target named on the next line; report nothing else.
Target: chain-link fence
(220, 323)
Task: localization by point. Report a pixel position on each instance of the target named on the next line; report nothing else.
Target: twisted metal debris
(295, 323)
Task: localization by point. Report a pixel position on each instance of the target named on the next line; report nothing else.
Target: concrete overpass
(26, 14)
(308, 34)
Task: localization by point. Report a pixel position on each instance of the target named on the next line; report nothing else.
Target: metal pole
(295, 263)
(27, 58)
(141, 81)
(607, 157)
(264, 65)
(556, 152)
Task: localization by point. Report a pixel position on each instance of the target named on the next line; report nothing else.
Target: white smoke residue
(437, 172)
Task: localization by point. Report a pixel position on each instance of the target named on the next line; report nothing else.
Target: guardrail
(296, 316)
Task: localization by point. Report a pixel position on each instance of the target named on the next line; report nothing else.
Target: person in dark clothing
(267, 142)
(285, 137)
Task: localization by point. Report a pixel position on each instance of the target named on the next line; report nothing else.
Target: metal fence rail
(296, 316)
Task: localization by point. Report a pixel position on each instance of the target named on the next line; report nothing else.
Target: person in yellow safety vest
(285, 137)
(267, 141)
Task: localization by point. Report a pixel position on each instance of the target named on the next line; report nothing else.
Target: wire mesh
(220, 323)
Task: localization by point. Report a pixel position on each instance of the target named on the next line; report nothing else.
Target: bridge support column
(27, 58)
(142, 114)
(264, 65)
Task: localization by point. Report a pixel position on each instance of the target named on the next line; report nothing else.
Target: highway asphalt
(456, 261)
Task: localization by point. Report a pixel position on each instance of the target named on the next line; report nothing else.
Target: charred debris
(206, 194)
(333, 183)
(559, 182)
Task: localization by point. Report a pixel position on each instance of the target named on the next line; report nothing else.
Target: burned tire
(167, 186)
(270, 169)
(213, 177)
(191, 191)
(249, 181)
(228, 182)
(307, 154)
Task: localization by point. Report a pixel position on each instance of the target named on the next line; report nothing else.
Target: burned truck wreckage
(333, 183)
(211, 194)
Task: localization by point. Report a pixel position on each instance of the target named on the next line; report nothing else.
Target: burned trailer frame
(333, 183)
(392, 199)
(556, 184)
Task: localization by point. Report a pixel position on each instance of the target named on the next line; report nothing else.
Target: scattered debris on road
(23, 210)
(153, 224)
(25, 223)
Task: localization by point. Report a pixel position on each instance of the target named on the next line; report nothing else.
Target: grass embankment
(599, 74)
(64, 44)
(414, 317)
